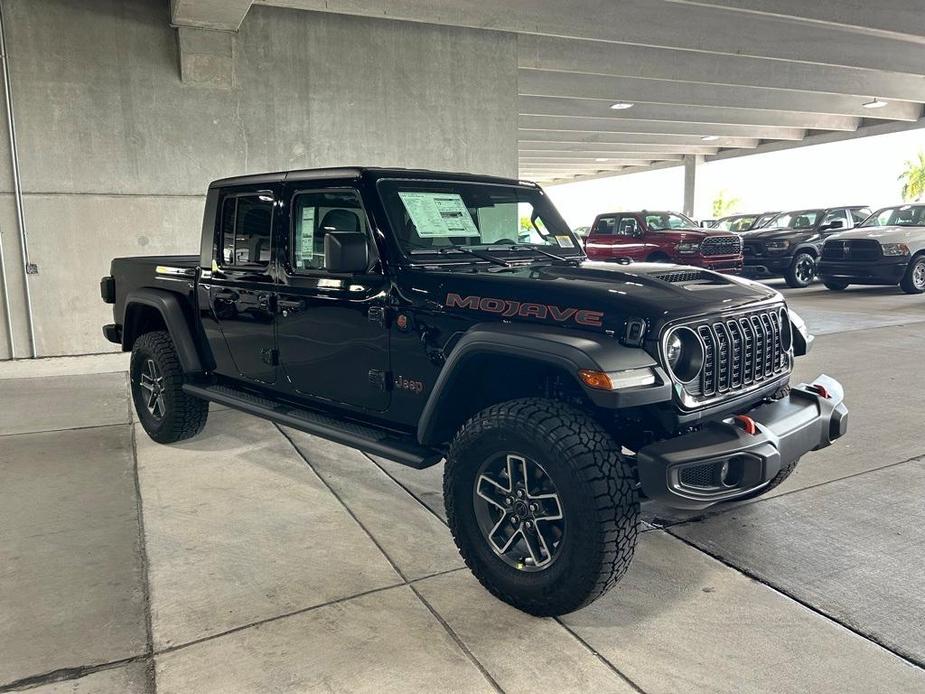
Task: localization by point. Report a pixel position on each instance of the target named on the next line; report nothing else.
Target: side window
(317, 213)
(836, 216)
(605, 225)
(628, 227)
(860, 215)
(247, 223)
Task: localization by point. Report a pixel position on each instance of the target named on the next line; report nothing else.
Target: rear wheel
(802, 270)
(541, 505)
(913, 282)
(836, 286)
(164, 410)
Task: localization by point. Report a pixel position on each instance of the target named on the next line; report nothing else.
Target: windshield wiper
(569, 260)
(482, 256)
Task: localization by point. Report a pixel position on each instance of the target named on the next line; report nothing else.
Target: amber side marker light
(615, 380)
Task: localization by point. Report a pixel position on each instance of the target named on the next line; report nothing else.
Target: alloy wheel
(918, 275)
(152, 383)
(519, 512)
(805, 269)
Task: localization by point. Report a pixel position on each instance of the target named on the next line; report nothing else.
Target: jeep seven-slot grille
(851, 249)
(721, 245)
(741, 352)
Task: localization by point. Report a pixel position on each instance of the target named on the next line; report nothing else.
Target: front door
(242, 288)
(332, 332)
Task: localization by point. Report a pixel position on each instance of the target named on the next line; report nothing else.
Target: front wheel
(542, 506)
(913, 282)
(164, 410)
(802, 271)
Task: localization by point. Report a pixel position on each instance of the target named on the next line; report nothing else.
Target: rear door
(332, 329)
(616, 236)
(241, 291)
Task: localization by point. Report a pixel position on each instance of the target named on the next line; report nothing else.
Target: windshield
(802, 219)
(903, 216)
(662, 221)
(764, 220)
(736, 223)
(438, 216)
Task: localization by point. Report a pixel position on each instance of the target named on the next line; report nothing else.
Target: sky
(853, 172)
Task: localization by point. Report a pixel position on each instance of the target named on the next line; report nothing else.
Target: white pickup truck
(887, 248)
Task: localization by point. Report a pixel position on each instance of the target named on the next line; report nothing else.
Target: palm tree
(723, 206)
(913, 178)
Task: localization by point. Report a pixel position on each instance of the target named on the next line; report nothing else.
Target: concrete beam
(647, 23)
(527, 147)
(900, 19)
(206, 57)
(648, 91)
(671, 139)
(618, 125)
(569, 157)
(225, 15)
(600, 109)
(659, 63)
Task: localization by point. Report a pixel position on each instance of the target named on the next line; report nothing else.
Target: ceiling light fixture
(875, 103)
(709, 138)
(621, 105)
(602, 159)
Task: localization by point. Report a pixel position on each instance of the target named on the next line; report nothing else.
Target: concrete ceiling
(705, 77)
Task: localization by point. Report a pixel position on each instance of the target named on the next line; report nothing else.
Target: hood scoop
(681, 276)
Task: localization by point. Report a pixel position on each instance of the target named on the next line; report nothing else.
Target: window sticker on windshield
(306, 247)
(565, 242)
(438, 214)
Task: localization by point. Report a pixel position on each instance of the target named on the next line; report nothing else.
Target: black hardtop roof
(372, 172)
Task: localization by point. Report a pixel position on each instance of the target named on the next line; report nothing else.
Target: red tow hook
(748, 424)
(819, 390)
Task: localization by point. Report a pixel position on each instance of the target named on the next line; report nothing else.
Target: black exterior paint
(322, 341)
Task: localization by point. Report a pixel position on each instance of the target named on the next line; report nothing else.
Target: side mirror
(837, 224)
(345, 252)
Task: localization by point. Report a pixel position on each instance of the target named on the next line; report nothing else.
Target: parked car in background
(887, 248)
(581, 233)
(662, 237)
(742, 222)
(791, 243)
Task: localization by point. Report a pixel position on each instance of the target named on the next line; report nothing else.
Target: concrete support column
(691, 162)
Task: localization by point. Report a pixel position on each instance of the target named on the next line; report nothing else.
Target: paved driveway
(256, 558)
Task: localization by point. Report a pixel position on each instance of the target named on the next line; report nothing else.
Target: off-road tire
(597, 490)
(909, 283)
(184, 416)
(836, 286)
(778, 479)
(793, 273)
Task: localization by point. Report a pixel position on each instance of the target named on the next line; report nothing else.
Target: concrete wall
(116, 150)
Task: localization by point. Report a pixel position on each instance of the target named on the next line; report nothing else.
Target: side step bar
(404, 450)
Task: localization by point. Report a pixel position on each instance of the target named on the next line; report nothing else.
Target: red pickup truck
(665, 237)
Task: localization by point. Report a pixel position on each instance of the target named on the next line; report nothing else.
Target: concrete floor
(255, 558)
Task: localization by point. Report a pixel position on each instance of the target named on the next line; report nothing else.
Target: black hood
(605, 294)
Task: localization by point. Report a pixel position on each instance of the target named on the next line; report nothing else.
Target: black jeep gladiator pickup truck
(418, 316)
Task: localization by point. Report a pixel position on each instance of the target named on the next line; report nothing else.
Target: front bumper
(729, 264)
(766, 265)
(688, 471)
(887, 270)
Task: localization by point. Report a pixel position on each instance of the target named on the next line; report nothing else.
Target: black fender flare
(171, 310)
(569, 351)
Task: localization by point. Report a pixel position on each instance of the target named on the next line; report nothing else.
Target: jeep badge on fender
(559, 390)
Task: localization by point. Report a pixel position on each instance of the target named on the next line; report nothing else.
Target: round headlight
(786, 330)
(684, 354)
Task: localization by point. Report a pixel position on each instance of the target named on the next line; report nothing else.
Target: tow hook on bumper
(732, 458)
